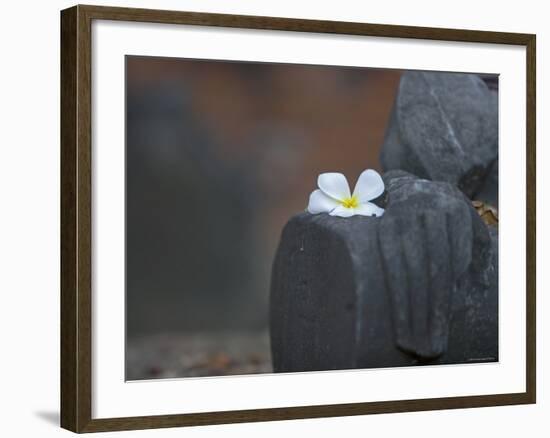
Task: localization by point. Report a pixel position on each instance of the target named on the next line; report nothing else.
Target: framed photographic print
(269, 218)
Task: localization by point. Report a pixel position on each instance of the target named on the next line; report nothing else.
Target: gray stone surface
(418, 285)
(443, 127)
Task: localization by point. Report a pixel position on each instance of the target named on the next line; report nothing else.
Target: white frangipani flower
(334, 196)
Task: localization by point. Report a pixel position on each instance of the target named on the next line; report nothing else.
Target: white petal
(334, 184)
(369, 186)
(369, 209)
(321, 203)
(343, 211)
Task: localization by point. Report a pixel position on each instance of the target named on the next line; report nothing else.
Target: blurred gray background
(219, 156)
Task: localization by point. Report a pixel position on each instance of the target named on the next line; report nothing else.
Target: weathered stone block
(418, 285)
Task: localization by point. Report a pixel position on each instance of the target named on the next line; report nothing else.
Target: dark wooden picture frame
(76, 218)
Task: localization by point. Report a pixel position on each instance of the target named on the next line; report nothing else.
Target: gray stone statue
(418, 285)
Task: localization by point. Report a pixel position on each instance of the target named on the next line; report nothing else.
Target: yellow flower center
(350, 202)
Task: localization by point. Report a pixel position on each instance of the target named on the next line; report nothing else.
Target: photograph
(272, 219)
(285, 218)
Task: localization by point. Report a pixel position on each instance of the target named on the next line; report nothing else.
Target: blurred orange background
(267, 128)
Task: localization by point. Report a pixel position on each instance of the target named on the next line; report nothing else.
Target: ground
(196, 355)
